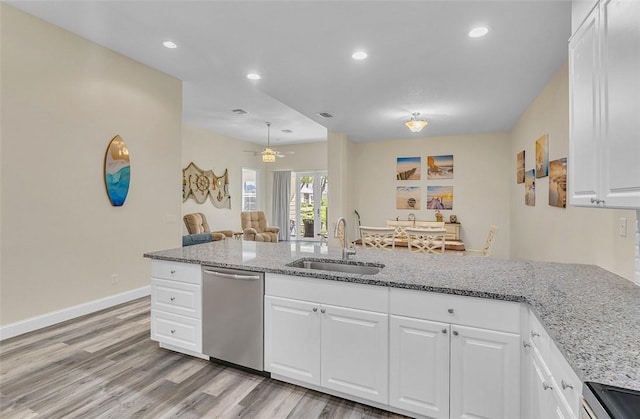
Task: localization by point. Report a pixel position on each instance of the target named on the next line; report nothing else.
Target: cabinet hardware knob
(315, 309)
(546, 386)
(173, 271)
(526, 344)
(172, 298)
(322, 310)
(173, 331)
(455, 333)
(450, 311)
(566, 385)
(534, 334)
(444, 331)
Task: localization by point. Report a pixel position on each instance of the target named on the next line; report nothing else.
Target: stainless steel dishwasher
(232, 316)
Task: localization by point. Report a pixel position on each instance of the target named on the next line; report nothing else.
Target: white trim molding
(29, 325)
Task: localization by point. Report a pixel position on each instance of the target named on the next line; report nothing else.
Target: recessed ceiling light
(478, 32)
(359, 55)
(253, 76)
(170, 44)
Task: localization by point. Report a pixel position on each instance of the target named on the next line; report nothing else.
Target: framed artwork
(558, 183)
(542, 156)
(408, 168)
(440, 167)
(520, 167)
(407, 197)
(117, 171)
(440, 197)
(530, 188)
(201, 184)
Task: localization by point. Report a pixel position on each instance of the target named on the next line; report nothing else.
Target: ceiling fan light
(268, 158)
(416, 125)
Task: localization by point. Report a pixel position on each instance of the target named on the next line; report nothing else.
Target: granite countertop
(592, 315)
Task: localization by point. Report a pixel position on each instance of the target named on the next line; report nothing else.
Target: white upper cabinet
(604, 78)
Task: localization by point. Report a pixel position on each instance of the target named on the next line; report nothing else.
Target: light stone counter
(592, 315)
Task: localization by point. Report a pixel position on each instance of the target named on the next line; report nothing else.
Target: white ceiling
(420, 60)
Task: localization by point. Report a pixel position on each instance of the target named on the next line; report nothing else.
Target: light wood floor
(104, 365)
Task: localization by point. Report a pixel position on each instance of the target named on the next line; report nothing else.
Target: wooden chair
(488, 245)
(378, 237)
(426, 240)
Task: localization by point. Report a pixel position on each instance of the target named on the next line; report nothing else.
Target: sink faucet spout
(346, 251)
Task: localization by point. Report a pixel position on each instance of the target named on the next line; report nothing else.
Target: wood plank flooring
(104, 365)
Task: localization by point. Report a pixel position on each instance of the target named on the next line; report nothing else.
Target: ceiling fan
(268, 154)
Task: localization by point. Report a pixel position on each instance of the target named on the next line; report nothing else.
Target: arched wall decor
(200, 184)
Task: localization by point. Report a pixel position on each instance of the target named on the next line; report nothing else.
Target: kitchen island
(592, 315)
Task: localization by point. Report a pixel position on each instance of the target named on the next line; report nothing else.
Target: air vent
(239, 111)
(287, 131)
(325, 114)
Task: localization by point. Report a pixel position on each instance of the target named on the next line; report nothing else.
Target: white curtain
(281, 198)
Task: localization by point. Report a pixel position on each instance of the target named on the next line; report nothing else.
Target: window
(249, 192)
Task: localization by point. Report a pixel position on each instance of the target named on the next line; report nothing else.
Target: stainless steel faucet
(346, 250)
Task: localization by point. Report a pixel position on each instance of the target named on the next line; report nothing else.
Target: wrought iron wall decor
(200, 184)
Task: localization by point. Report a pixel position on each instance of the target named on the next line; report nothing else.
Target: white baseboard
(24, 326)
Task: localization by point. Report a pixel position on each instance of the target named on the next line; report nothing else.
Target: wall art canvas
(558, 183)
(202, 184)
(408, 168)
(542, 156)
(520, 167)
(440, 167)
(530, 188)
(117, 171)
(440, 197)
(407, 197)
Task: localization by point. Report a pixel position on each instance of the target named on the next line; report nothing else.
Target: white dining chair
(378, 237)
(426, 240)
(488, 245)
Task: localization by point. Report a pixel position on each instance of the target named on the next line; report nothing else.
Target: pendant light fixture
(416, 125)
(268, 155)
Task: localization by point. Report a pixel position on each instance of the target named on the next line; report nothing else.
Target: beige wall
(63, 100)
(211, 151)
(480, 183)
(574, 234)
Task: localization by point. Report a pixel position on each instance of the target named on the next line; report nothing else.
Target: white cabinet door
(292, 339)
(485, 373)
(620, 81)
(419, 366)
(584, 105)
(355, 352)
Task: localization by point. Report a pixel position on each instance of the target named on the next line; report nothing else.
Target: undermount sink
(344, 266)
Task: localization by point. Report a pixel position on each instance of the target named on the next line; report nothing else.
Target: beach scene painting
(440, 197)
(530, 188)
(407, 197)
(558, 183)
(542, 156)
(520, 167)
(117, 171)
(408, 168)
(440, 167)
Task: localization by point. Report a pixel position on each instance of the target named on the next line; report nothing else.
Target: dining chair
(378, 237)
(488, 245)
(426, 240)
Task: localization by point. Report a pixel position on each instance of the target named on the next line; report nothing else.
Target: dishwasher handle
(233, 276)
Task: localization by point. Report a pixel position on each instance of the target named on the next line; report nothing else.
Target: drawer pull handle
(526, 344)
(566, 385)
(172, 298)
(534, 334)
(450, 311)
(322, 310)
(546, 386)
(173, 331)
(444, 331)
(455, 333)
(315, 309)
(173, 271)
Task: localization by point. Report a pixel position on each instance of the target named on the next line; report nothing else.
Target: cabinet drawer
(467, 311)
(183, 272)
(538, 336)
(345, 294)
(181, 331)
(567, 382)
(176, 297)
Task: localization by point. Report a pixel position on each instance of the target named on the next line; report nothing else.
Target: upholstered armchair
(254, 227)
(197, 224)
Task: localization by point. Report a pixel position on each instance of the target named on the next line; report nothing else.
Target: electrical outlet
(622, 227)
(114, 279)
